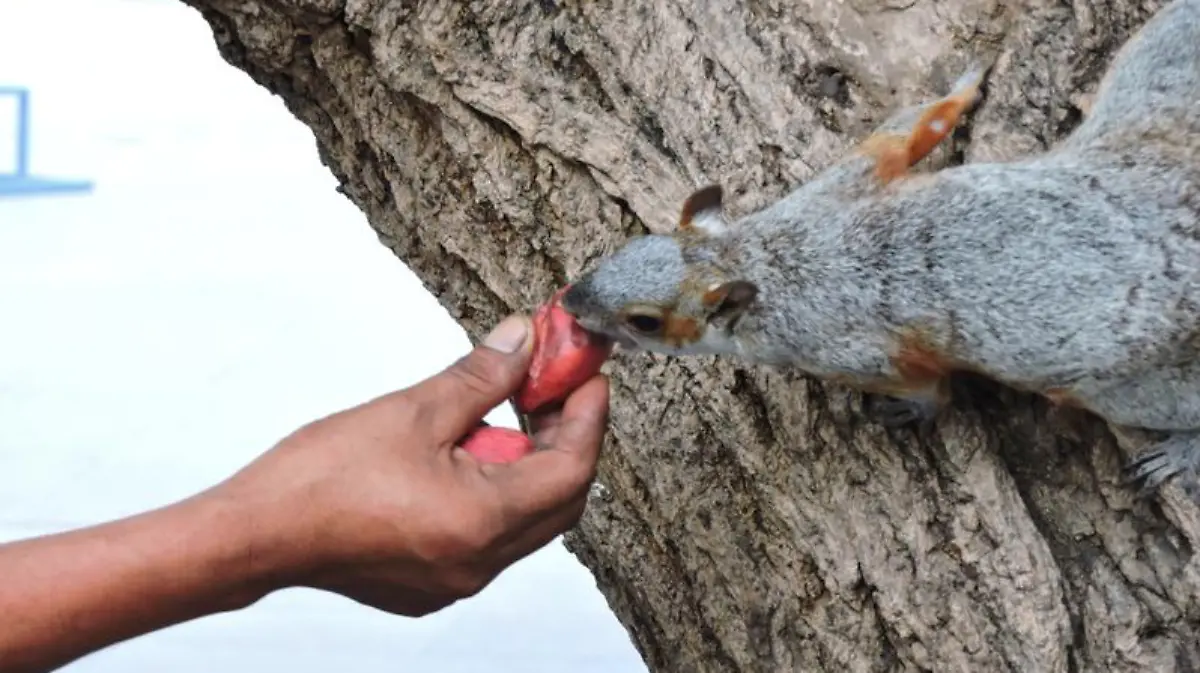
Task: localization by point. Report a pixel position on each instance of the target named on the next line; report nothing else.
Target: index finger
(556, 474)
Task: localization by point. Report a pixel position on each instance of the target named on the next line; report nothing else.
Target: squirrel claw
(1176, 455)
(895, 412)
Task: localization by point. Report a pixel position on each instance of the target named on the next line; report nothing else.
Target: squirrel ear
(729, 300)
(704, 210)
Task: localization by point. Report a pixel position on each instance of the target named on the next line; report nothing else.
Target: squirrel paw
(1178, 454)
(894, 412)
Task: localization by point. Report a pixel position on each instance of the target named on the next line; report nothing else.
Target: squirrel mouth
(624, 341)
(605, 331)
(600, 329)
(615, 335)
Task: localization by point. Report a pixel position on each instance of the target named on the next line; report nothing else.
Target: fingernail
(508, 336)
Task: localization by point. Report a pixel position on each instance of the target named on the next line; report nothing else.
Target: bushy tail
(1156, 74)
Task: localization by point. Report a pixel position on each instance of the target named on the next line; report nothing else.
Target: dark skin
(375, 503)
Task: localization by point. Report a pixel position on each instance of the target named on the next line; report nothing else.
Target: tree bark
(750, 519)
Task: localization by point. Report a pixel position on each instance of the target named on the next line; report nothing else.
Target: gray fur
(1077, 270)
(647, 270)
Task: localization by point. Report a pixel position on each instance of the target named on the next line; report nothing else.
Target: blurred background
(207, 295)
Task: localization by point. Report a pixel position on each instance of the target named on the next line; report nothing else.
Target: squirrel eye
(646, 324)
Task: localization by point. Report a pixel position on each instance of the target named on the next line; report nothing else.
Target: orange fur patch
(937, 123)
(890, 152)
(894, 154)
(679, 331)
(713, 297)
(1062, 397)
(919, 364)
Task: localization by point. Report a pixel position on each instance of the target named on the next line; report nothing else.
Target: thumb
(463, 393)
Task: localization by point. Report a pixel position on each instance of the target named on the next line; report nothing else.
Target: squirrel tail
(1154, 76)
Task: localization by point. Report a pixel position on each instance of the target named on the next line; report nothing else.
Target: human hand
(377, 502)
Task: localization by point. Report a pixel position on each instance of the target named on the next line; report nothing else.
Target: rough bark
(749, 519)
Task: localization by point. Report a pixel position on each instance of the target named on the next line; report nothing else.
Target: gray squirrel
(1074, 274)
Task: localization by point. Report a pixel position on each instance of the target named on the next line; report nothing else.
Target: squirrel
(1073, 274)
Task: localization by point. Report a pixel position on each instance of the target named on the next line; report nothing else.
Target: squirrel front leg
(921, 405)
(908, 372)
(909, 135)
(919, 389)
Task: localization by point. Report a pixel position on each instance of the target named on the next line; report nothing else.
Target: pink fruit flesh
(565, 356)
(497, 445)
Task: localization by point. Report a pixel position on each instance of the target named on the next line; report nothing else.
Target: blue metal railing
(20, 182)
(22, 96)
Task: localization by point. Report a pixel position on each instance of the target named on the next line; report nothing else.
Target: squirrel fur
(1074, 274)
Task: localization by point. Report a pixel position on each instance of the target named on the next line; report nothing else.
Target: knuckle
(427, 606)
(412, 411)
(421, 611)
(464, 582)
(457, 553)
(460, 540)
(477, 373)
(312, 433)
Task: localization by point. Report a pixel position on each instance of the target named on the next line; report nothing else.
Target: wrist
(268, 541)
(246, 554)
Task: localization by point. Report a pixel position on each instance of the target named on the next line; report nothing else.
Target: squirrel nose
(574, 299)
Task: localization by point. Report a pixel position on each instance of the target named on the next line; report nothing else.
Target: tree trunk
(750, 519)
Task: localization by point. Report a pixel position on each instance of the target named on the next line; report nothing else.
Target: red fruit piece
(565, 356)
(497, 445)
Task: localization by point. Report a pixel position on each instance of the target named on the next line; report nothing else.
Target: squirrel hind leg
(1177, 456)
(1157, 399)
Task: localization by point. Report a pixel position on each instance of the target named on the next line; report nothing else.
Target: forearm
(66, 595)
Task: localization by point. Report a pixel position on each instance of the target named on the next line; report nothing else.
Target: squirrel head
(668, 293)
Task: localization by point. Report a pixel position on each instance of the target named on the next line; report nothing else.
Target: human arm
(71, 593)
(375, 503)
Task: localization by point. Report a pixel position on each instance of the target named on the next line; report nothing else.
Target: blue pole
(21, 182)
(22, 133)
